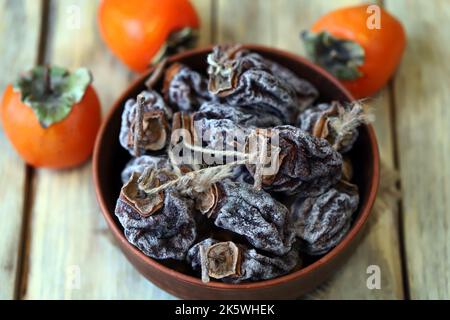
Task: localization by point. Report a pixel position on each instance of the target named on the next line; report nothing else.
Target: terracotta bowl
(110, 158)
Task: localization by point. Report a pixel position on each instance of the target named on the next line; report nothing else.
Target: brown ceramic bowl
(110, 158)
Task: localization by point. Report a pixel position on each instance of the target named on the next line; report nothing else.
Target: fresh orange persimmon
(54, 126)
(139, 32)
(349, 44)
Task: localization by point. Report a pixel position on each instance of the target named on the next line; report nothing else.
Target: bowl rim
(358, 224)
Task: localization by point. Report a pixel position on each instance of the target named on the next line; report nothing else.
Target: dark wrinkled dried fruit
(250, 265)
(315, 120)
(164, 235)
(334, 122)
(185, 88)
(246, 80)
(306, 92)
(306, 164)
(241, 116)
(145, 124)
(139, 164)
(218, 134)
(255, 215)
(160, 230)
(323, 221)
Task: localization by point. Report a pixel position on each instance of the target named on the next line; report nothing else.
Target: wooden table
(51, 228)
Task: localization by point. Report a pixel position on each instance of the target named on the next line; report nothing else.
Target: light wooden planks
(14, 59)
(422, 101)
(69, 235)
(258, 21)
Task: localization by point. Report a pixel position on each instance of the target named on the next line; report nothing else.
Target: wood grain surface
(12, 169)
(380, 245)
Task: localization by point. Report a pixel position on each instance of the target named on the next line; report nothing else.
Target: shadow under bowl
(110, 158)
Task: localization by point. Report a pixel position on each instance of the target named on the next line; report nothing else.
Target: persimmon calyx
(340, 57)
(51, 92)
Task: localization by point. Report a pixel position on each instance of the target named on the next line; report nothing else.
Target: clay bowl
(110, 158)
